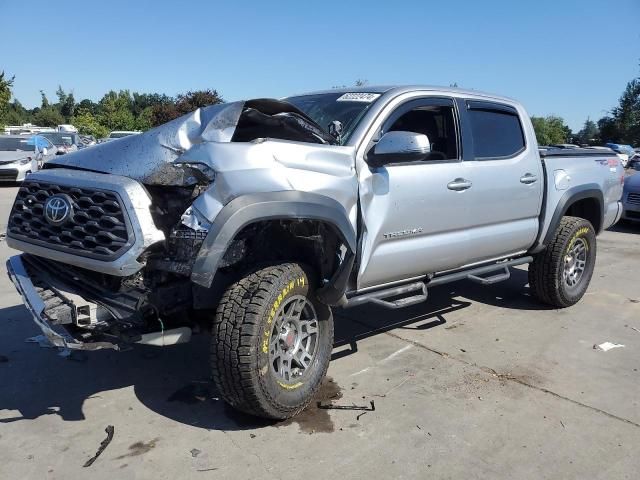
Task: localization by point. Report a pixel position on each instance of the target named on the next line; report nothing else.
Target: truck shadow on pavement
(625, 227)
(175, 381)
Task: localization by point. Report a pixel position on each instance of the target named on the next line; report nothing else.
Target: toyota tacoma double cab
(260, 216)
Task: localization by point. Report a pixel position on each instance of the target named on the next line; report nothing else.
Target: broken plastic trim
(195, 220)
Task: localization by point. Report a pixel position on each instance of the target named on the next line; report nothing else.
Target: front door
(415, 214)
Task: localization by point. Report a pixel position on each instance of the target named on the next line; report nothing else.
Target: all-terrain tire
(241, 342)
(547, 272)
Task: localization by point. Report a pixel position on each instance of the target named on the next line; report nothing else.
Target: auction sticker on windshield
(358, 97)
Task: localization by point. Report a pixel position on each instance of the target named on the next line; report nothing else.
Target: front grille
(8, 175)
(634, 198)
(632, 214)
(98, 227)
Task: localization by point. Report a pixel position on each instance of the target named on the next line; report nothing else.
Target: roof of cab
(400, 89)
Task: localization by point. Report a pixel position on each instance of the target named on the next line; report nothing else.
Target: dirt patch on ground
(140, 448)
(314, 419)
(310, 420)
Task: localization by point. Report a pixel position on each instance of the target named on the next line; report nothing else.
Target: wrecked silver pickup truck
(266, 213)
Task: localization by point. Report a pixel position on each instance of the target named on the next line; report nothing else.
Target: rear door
(507, 180)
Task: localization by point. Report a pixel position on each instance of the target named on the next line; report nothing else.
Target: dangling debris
(103, 445)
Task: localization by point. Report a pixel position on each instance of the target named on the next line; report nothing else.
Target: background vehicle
(67, 129)
(20, 155)
(634, 162)
(272, 212)
(87, 140)
(26, 129)
(65, 142)
(122, 133)
(631, 198)
(565, 145)
(624, 152)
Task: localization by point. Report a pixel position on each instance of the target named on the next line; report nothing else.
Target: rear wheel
(560, 275)
(272, 342)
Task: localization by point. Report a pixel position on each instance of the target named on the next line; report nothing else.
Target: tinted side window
(437, 123)
(496, 133)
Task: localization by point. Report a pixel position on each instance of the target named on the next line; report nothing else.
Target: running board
(474, 274)
(380, 296)
(500, 277)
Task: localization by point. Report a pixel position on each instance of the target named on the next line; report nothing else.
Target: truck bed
(568, 170)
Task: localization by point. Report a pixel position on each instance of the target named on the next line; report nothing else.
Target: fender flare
(572, 195)
(256, 207)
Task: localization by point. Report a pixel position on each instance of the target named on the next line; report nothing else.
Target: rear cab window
(496, 129)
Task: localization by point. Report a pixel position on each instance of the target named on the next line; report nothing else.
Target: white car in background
(66, 128)
(20, 155)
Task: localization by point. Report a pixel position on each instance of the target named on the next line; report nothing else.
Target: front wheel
(271, 342)
(560, 274)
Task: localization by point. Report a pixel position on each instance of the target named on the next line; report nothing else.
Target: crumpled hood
(154, 157)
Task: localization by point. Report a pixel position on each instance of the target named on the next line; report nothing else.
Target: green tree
(115, 111)
(609, 130)
(61, 94)
(589, 134)
(141, 101)
(166, 111)
(67, 109)
(16, 114)
(193, 100)
(163, 113)
(88, 124)
(48, 117)
(87, 106)
(627, 113)
(45, 100)
(5, 95)
(550, 130)
(144, 121)
(622, 125)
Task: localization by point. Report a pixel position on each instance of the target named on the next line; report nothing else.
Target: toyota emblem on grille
(57, 209)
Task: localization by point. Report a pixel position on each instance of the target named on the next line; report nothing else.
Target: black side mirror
(400, 146)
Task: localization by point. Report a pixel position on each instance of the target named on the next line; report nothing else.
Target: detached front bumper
(56, 335)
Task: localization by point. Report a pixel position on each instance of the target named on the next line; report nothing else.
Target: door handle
(459, 184)
(528, 179)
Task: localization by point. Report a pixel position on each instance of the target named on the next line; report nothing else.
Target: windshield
(16, 144)
(58, 138)
(119, 134)
(347, 108)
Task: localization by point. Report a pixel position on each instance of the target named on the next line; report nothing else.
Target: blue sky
(566, 57)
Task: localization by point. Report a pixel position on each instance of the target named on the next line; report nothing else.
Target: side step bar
(473, 274)
(380, 297)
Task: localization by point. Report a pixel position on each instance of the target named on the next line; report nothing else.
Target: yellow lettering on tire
(582, 231)
(290, 387)
(274, 308)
